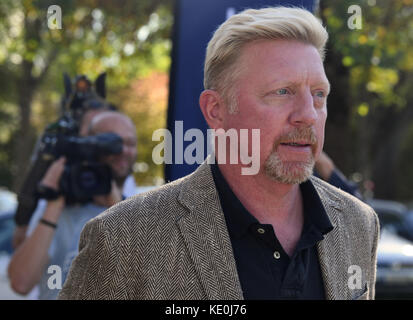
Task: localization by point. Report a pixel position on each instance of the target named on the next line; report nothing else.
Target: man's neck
(270, 202)
(267, 200)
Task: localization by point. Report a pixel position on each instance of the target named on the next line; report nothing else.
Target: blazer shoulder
(153, 204)
(350, 206)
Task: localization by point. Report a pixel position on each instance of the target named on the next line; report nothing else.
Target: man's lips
(296, 146)
(299, 141)
(296, 143)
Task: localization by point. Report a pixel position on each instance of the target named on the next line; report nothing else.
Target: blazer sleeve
(376, 236)
(94, 270)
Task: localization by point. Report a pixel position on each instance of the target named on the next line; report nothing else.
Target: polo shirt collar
(240, 221)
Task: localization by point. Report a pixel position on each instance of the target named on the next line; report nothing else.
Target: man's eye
(320, 94)
(282, 91)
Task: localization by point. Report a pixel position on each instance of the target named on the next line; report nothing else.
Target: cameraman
(54, 233)
(20, 231)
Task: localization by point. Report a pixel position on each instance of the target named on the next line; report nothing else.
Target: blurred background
(129, 40)
(369, 132)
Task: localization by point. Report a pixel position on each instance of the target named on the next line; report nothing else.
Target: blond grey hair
(279, 23)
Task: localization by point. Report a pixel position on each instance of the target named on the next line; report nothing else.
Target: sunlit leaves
(382, 82)
(97, 36)
(363, 109)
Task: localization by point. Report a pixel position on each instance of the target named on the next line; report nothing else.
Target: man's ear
(212, 108)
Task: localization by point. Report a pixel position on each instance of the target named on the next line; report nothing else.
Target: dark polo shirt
(264, 268)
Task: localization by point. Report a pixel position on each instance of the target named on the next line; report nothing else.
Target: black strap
(45, 192)
(48, 223)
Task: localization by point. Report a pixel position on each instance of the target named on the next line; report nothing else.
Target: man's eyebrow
(294, 83)
(324, 84)
(328, 87)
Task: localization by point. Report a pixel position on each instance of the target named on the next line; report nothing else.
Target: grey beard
(288, 173)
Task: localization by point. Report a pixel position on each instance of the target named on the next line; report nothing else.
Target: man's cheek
(320, 142)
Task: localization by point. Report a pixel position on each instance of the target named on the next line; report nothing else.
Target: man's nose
(304, 112)
(127, 149)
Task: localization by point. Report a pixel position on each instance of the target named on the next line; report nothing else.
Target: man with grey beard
(219, 234)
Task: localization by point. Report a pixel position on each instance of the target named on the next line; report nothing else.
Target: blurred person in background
(20, 230)
(326, 169)
(53, 233)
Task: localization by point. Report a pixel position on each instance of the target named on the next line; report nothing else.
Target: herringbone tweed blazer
(173, 243)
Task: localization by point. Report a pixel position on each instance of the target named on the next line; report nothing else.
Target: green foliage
(374, 65)
(381, 49)
(126, 39)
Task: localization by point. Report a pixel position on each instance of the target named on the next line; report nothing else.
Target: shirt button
(261, 230)
(277, 255)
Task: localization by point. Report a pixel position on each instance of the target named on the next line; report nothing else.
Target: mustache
(299, 135)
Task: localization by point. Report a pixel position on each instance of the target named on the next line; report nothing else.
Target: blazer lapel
(206, 236)
(205, 233)
(331, 252)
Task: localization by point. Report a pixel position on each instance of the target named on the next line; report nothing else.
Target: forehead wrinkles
(298, 72)
(287, 62)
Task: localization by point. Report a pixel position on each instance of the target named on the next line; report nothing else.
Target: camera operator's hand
(110, 199)
(31, 257)
(51, 180)
(52, 177)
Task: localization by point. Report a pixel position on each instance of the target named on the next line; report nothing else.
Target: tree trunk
(24, 137)
(338, 131)
(386, 153)
(391, 127)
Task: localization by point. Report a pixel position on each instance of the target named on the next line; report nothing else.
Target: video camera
(83, 176)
